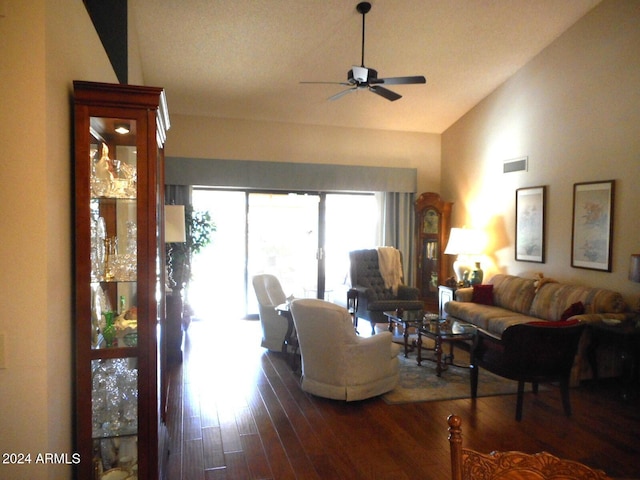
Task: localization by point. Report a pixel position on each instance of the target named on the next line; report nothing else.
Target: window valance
(288, 176)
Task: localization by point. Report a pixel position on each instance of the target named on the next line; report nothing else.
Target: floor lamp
(174, 232)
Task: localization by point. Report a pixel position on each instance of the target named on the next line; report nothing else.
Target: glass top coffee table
(408, 319)
(444, 331)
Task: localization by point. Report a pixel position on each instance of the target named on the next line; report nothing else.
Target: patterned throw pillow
(482, 294)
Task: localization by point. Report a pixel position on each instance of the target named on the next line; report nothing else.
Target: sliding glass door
(302, 238)
(283, 240)
(351, 223)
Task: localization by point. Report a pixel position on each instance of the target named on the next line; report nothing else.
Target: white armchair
(270, 294)
(336, 362)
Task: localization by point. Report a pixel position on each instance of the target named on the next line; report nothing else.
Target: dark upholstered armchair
(371, 297)
(529, 352)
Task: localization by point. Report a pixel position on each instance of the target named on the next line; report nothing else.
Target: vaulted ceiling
(245, 59)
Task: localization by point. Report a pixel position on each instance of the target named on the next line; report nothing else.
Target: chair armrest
(408, 293)
(364, 294)
(464, 294)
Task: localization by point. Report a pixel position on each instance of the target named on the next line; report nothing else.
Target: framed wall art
(530, 213)
(592, 234)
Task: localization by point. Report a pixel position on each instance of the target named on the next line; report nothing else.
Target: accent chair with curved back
(467, 464)
(270, 294)
(529, 352)
(336, 362)
(373, 297)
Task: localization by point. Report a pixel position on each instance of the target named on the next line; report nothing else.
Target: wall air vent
(515, 165)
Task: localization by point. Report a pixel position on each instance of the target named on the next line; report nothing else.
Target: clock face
(430, 222)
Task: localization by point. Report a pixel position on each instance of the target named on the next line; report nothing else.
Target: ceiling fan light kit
(361, 77)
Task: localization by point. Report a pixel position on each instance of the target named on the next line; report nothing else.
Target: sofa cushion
(490, 318)
(483, 294)
(553, 299)
(513, 293)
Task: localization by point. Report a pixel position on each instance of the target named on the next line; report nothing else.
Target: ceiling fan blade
(342, 93)
(399, 80)
(383, 92)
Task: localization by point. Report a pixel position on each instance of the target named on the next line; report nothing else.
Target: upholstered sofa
(508, 300)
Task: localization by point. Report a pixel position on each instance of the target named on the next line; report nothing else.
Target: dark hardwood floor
(236, 412)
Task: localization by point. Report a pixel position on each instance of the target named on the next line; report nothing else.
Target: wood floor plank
(255, 456)
(193, 466)
(212, 450)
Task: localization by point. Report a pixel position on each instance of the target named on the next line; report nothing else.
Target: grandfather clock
(433, 221)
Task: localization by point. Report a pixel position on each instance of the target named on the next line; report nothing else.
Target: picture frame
(592, 231)
(530, 224)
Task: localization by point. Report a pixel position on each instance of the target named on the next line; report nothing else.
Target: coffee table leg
(405, 334)
(438, 352)
(419, 348)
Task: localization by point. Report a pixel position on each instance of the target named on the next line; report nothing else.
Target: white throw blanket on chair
(390, 267)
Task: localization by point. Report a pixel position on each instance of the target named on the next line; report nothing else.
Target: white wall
(575, 112)
(40, 56)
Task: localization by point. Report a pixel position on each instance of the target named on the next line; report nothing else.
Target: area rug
(421, 384)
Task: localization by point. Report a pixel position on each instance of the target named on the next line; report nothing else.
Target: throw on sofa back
(554, 298)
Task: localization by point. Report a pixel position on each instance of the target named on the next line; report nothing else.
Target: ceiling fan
(361, 77)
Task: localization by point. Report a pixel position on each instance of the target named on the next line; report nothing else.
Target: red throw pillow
(482, 294)
(575, 309)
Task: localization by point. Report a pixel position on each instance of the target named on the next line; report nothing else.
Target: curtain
(396, 227)
(177, 194)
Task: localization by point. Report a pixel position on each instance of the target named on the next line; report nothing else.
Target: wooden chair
(530, 352)
(468, 464)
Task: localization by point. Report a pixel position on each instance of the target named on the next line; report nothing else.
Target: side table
(626, 336)
(290, 342)
(445, 295)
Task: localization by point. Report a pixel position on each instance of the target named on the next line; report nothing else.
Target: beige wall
(575, 112)
(41, 55)
(226, 139)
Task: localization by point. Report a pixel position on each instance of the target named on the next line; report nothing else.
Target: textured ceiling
(244, 59)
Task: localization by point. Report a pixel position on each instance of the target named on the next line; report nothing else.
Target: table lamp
(465, 243)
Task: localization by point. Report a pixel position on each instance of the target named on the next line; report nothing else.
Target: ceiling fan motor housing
(361, 74)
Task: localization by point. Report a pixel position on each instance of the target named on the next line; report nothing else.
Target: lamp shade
(174, 226)
(634, 268)
(464, 241)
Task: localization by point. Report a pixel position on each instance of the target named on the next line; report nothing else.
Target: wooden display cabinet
(119, 279)
(433, 222)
